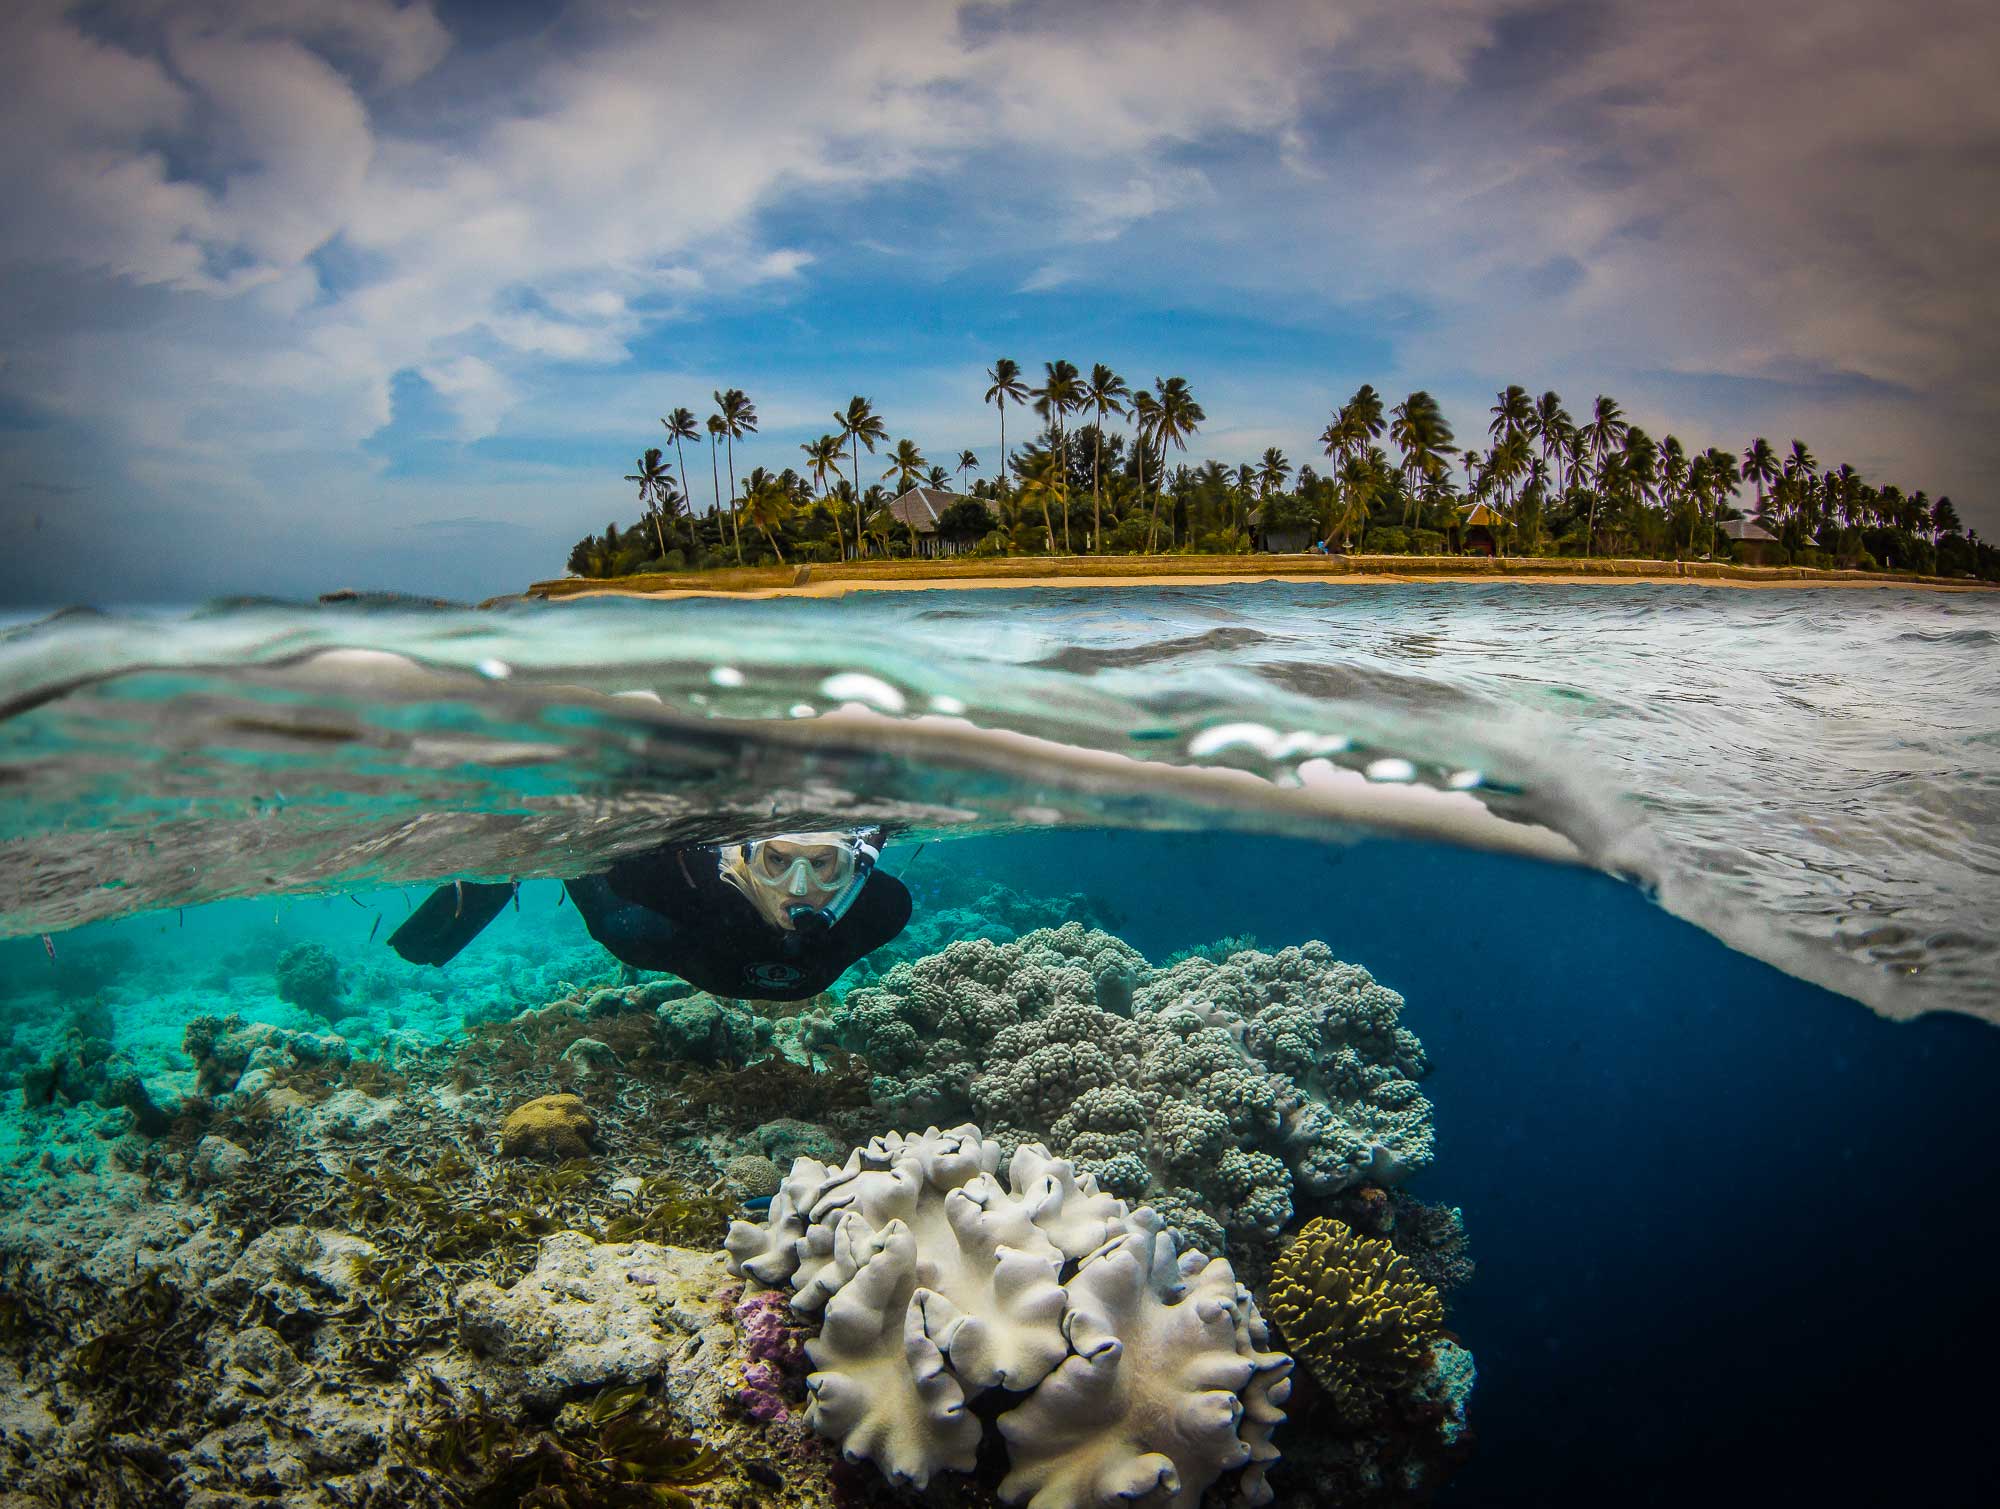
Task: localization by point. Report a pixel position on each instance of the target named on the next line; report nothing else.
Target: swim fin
(452, 917)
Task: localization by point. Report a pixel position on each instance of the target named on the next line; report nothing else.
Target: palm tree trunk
(1141, 439)
(735, 526)
(687, 498)
(715, 474)
(775, 545)
(658, 535)
(860, 539)
(1062, 455)
(1096, 495)
(1002, 407)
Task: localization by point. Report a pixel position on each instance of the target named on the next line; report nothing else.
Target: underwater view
(1287, 1043)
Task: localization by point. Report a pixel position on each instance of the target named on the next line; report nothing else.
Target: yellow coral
(549, 1126)
(1355, 1311)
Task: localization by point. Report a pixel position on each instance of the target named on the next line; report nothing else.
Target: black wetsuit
(671, 911)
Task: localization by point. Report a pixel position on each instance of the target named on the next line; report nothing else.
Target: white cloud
(296, 203)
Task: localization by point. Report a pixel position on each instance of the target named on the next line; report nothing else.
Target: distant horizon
(388, 296)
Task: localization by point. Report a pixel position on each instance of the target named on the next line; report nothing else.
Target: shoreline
(836, 580)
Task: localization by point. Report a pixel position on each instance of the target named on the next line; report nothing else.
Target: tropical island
(1547, 494)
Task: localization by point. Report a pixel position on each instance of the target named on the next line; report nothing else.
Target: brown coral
(551, 1127)
(1356, 1312)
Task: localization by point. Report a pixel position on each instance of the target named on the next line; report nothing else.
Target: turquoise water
(1653, 873)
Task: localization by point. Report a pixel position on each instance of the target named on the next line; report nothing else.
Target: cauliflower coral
(1214, 1091)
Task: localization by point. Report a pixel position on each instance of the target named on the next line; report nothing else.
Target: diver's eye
(771, 862)
(826, 867)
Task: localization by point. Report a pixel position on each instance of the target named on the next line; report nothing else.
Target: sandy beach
(1207, 571)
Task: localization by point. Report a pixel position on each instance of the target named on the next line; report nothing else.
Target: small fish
(758, 1204)
(517, 896)
(458, 899)
(562, 896)
(375, 927)
(49, 943)
(356, 900)
(181, 912)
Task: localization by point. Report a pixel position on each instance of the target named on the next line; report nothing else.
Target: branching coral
(1214, 1091)
(1145, 1370)
(1356, 1311)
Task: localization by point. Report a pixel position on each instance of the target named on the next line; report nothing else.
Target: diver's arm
(451, 917)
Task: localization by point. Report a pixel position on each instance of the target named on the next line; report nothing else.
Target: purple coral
(777, 1353)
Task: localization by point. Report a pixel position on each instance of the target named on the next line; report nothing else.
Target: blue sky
(388, 293)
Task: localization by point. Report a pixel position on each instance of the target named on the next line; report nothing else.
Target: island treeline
(1106, 469)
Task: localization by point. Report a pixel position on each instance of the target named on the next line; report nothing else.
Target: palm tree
(968, 461)
(1061, 391)
(715, 429)
(1176, 416)
(1043, 482)
(1145, 421)
(822, 456)
(1674, 468)
(860, 426)
(1005, 377)
(1800, 462)
(1604, 434)
(739, 418)
(1422, 434)
(906, 465)
(653, 478)
(938, 477)
(1106, 392)
(1512, 414)
(681, 426)
(1273, 470)
(1760, 465)
(767, 504)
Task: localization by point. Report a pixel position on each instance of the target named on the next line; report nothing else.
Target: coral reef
(87, 1070)
(549, 1127)
(308, 976)
(1219, 1093)
(1144, 1367)
(1356, 1313)
(234, 1057)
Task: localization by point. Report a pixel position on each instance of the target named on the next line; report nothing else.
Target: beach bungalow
(1479, 531)
(921, 508)
(1755, 545)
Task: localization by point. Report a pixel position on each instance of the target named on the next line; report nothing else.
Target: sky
(390, 294)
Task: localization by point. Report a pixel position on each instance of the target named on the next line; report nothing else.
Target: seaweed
(621, 1450)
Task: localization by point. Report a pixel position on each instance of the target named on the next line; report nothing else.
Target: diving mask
(801, 881)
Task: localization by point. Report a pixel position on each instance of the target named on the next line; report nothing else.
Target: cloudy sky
(389, 293)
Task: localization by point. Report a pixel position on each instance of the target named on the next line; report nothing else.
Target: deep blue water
(1735, 1236)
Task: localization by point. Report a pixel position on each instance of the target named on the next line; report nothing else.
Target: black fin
(449, 919)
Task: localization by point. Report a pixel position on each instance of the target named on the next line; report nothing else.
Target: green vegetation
(1543, 485)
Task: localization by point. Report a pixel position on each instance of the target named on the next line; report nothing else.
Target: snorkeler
(774, 919)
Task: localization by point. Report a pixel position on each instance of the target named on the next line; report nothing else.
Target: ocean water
(1689, 897)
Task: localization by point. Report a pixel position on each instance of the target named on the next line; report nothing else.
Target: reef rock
(1144, 1369)
(1213, 1091)
(589, 1314)
(297, 1270)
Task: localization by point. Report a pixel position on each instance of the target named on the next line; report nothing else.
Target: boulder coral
(1144, 1369)
(1356, 1312)
(1216, 1091)
(549, 1127)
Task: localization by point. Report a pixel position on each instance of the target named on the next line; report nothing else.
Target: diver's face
(793, 879)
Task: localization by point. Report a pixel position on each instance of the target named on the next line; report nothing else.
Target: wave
(256, 748)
